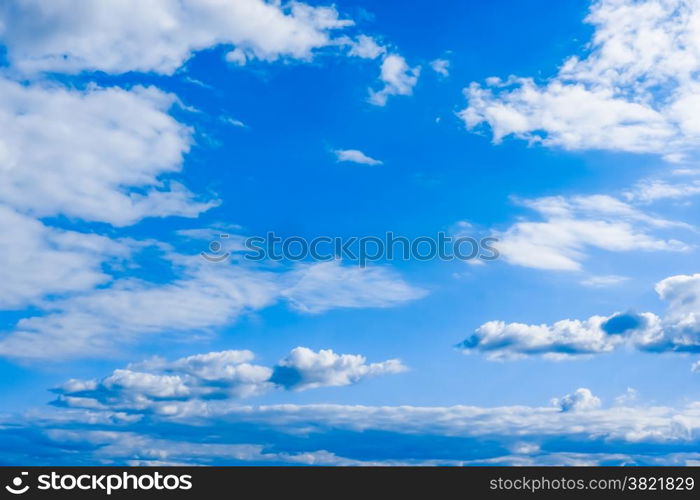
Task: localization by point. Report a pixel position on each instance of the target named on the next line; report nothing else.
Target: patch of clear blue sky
(279, 174)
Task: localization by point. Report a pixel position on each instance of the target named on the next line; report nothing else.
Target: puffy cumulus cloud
(566, 338)
(305, 369)
(204, 297)
(71, 36)
(566, 115)
(153, 386)
(397, 79)
(678, 330)
(171, 387)
(96, 154)
(581, 399)
(635, 90)
(209, 366)
(39, 260)
(682, 318)
(355, 156)
(501, 340)
(585, 433)
(571, 226)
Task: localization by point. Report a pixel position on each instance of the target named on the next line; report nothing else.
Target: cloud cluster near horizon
(575, 429)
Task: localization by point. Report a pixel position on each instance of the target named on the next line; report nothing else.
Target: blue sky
(136, 133)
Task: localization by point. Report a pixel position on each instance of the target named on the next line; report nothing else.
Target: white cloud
(649, 191)
(682, 318)
(441, 66)
(153, 386)
(94, 323)
(163, 452)
(398, 79)
(603, 281)
(573, 225)
(581, 399)
(157, 385)
(627, 398)
(568, 338)
(500, 340)
(327, 285)
(355, 156)
(636, 89)
(70, 36)
(206, 296)
(577, 430)
(83, 153)
(233, 121)
(678, 330)
(139, 449)
(38, 260)
(584, 424)
(564, 115)
(305, 369)
(366, 47)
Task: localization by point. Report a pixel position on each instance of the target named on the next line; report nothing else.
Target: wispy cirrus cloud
(39, 260)
(571, 226)
(205, 296)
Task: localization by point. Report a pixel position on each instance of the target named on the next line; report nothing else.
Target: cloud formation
(635, 90)
(205, 296)
(581, 399)
(111, 36)
(99, 155)
(573, 225)
(355, 156)
(397, 79)
(305, 369)
(441, 66)
(576, 429)
(170, 387)
(678, 330)
(39, 260)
